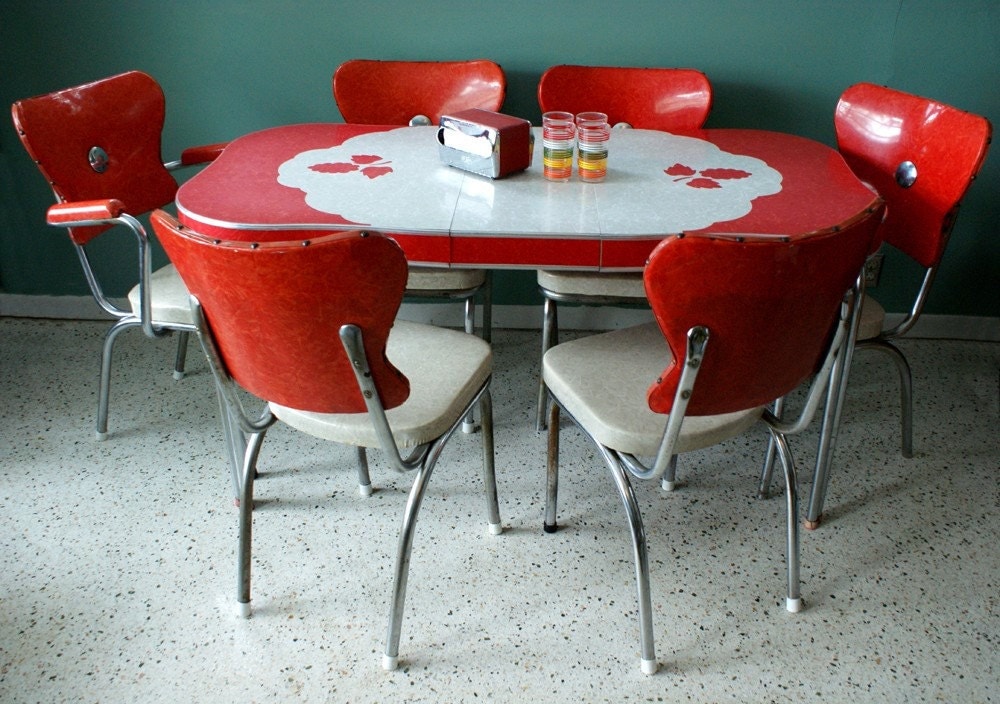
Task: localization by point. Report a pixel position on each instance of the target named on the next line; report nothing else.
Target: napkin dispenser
(485, 143)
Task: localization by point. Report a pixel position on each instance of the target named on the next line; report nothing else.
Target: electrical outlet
(873, 269)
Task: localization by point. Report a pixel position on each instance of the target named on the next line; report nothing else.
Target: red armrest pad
(84, 211)
(202, 154)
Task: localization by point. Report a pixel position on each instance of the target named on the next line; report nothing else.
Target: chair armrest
(84, 212)
(198, 155)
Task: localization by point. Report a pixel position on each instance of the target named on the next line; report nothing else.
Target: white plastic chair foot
(667, 485)
(793, 605)
(365, 489)
(390, 663)
(100, 436)
(178, 375)
(649, 667)
(496, 528)
(243, 609)
(469, 428)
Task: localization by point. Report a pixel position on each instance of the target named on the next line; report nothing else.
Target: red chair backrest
(123, 115)
(770, 305)
(393, 92)
(879, 128)
(669, 99)
(275, 310)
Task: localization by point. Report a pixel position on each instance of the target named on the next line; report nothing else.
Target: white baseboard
(958, 327)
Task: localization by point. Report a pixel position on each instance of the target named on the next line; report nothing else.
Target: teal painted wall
(232, 66)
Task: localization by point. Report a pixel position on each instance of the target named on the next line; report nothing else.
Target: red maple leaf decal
(703, 183)
(376, 171)
(365, 158)
(725, 174)
(707, 176)
(380, 167)
(338, 167)
(679, 170)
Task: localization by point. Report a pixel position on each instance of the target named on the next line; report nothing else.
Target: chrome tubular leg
(550, 337)
(487, 290)
(835, 394)
(470, 315)
(390, 659)
(469, 425)
(181, 358)
(489, 466)
(552, 470)
(247, 471)
(104, 383)
(905, 395)
(648, 654)
(767, 470)
(364, 479)
(236, 444)
(793, 601)
(669, 480)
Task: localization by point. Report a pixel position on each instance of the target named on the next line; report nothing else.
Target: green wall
(232, 66)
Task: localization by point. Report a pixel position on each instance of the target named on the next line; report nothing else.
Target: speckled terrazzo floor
(117, 566)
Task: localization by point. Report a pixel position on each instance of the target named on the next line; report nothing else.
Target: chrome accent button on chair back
(106, 185)
(921, 156)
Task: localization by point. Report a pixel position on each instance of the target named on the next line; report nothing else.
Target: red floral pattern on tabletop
(708, 178)
(371, 165)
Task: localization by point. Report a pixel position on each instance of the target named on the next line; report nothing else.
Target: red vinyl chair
(98, 146)
(419, 93)
(668, 99)
(739, 322)
(921, 156)
(309, 327)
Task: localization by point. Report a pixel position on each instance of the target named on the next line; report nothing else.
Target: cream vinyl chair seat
(170, 302)
(612, 406)
(583, 283)
(430, 278)
(419, 352)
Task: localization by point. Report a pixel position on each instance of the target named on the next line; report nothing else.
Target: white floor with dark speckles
(117, 558)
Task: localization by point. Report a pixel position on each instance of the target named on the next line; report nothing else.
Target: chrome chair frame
(244, 436)
(622, 465)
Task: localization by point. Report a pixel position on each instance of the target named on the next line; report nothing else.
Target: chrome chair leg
(489, 466)
(550, 338)
(104, 388)
(669, 480)
(552, 470)
(364, 478)
(487, 290)
(767, 470)
(181, 358)
(905, 391)
(647, 646)
(248, 470)
(793, 600)
(390, 659)
(469, 425)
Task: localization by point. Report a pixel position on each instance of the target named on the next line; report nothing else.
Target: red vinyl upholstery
(669, 99)
(878, 128)
(392, 92)
(123, 115)
(282, 342)
(769, 304)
